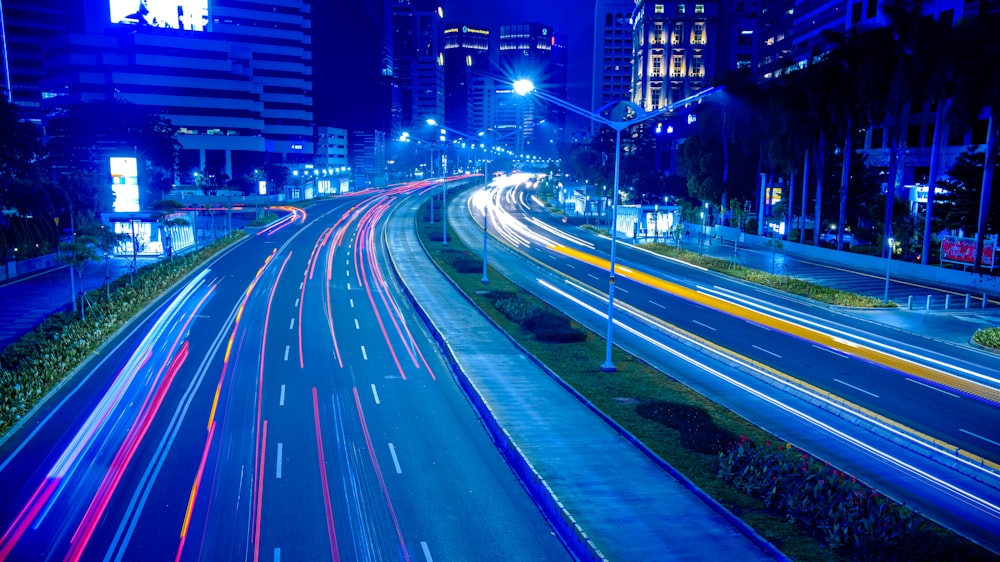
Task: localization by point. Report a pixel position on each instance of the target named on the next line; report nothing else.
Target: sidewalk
(27, 301)
(606, 497)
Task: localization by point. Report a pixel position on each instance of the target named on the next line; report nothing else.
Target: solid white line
(979, 436)
(704, 324)
(356, 326)
(828, 350)
(281, 398)
(277, 554)
(296, 303)
(856, 388)
(280, 447)
(395, 461)
(766, 351)
(933, 388)
(286, 352)
(375, 394)
(657, 304)
(352, 303)
(364, 353)
(427, 551)
(291, 325)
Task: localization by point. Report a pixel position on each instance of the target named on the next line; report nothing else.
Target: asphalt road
(715, 346)
(285, 404)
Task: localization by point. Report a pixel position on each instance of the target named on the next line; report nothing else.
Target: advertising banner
(191, 15)
(963, 250)
(125, 184)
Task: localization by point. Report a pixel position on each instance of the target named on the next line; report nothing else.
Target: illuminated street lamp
(888, 262)
(524, 87)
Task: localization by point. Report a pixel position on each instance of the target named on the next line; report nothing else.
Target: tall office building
(612, 73)
(466, 56)
(235, 76)
(25, 27)
(673, 50)
(418, 60)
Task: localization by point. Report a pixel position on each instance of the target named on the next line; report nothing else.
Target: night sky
(573, 18)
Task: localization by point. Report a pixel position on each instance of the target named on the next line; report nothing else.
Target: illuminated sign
(191, 15)
(296, 147)
(963, 250)
(125, 185)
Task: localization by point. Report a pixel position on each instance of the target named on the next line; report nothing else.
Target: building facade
(466, 57)
(234, 76)
(418, 60)
(612, 73)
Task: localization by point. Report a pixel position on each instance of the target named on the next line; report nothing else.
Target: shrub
(515, 307)
(462, 262)
(987, 337)
(698, 432)
(553, 327)
(834, 506)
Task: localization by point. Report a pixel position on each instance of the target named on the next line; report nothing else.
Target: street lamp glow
(432, 122)
(525, 87)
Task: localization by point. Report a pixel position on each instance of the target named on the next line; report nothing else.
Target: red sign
(963, 250)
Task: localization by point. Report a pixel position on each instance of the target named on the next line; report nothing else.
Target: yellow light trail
(913, 368)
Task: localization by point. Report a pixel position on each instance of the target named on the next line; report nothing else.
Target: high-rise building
(673, 50)
(466, 56)
(612, 73)
(235, 76)
(418, 60)
(25, 27)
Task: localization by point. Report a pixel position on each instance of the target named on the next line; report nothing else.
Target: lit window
(658, 9)
(680, 8)
(699, 8)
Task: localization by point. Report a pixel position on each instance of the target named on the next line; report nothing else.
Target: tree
(962, 201)
(84, 136)
(980, 41)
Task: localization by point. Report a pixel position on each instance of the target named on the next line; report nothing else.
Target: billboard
(191, 15)
(125, 184)
(963, 250)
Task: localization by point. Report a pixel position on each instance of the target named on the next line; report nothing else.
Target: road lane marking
(356, 326)
(979, 436)
(621, 289)
(277, 554)
(348, 286)
(375, 394)
(280, 447)
(593, 276)
(856, 388)
(286, 352)
(933, 388)
(427, 551)
(347, 262)
(281, 398)
(657, 304)
(766, 351)
(352, 303)
(828, 350)
(296, 303)
(704, 324)
(395, 461)
(364, 353)
(291, 325)
(348, 272)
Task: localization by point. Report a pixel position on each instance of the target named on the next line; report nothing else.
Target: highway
(852, 392)
(283, 403)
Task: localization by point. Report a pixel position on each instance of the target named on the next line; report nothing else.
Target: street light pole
(525, 87)
(888, 262)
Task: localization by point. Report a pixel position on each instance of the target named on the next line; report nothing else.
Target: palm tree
(980, 88)
(936, 54)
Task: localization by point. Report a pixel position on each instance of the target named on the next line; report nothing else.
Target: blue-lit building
(235, 76)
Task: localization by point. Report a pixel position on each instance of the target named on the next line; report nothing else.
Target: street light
(524, 87)
(888, 262)
(486, 183)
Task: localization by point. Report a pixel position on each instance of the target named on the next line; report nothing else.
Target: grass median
(635, 383)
